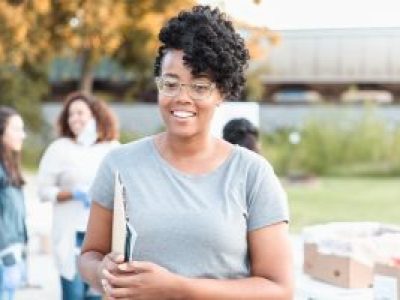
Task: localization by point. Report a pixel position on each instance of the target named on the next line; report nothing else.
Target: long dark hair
(9, 159)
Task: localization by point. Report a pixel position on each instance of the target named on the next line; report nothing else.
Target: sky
(303, 14)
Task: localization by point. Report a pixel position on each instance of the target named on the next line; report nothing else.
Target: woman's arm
(50, 167)
(64, 195)
(96, 245)
(271, 270)
(271, 275)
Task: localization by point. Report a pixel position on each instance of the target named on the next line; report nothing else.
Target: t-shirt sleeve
(266, 199)
(102, 189)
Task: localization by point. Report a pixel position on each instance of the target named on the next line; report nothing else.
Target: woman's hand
(109, 265)
(142, 281)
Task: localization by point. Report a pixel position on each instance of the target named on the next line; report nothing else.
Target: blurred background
(324, 74)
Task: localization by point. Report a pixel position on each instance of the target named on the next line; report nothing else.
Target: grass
(344, 199)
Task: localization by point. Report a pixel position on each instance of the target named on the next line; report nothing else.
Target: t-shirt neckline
(165, 163)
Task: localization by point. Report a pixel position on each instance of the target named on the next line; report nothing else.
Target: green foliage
(35, 32)
(344, 199)
(341, 147)
(128, 136)
(32, 151)
(23, 90)
(254, 88)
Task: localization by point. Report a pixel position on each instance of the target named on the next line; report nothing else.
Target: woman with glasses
(210, 218)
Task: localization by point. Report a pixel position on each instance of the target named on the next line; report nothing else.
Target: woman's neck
(186, 147)
(193, 155)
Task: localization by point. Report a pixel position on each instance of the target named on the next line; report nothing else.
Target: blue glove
(82, 197)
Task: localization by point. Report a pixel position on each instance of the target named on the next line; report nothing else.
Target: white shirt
(67, 165)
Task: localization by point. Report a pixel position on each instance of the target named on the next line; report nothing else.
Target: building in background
(344, 65)
(348, 65)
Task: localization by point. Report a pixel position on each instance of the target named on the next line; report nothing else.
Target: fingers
(137, 266)
(110, 263)
(116, 257)
(120, 293)
(132, 280)
(118, 287)
(120, 280)
(115, 293)
(112, 260)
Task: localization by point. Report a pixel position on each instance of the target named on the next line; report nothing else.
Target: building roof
(335, 55)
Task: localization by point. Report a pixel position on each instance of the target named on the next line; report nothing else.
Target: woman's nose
(183, 94)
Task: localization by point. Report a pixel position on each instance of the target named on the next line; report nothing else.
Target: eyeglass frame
(212, 87)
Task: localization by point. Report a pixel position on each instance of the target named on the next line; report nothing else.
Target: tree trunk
(87, 66)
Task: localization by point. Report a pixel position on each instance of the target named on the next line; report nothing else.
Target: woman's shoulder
(251, 161)
(60, 143)
(108, 144)
(55, 152)
(135, 150)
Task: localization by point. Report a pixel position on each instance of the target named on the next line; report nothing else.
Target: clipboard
(123, 234)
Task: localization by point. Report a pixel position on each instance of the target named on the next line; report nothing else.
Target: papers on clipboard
(123, 234)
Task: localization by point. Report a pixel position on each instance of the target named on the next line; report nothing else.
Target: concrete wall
(145, 118)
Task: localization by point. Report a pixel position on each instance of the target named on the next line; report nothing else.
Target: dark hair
(241, 132)
(210, 45)
(10, 159)
(106, 122)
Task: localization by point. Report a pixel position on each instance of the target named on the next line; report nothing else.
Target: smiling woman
(88, 131)
(185, 111)
(211, 218)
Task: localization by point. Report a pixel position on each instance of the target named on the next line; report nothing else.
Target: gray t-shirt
(193, 225)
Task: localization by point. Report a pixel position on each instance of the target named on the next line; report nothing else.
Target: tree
(23, 55)
(36, 31)
(259, 41)
(123, 29)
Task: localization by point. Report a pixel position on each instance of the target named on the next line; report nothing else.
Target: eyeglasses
(197, 90)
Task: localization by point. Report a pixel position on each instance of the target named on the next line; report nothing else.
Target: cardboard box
(337, 270)
(386, 282)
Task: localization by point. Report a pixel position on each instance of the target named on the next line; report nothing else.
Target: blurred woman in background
(13, 234)
(88, 131)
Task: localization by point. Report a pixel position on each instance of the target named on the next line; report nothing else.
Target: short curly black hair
(210, 45)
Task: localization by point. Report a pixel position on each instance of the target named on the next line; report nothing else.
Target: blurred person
(88, 131)
(242, 132)
(210, 218)
(13, 233)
